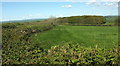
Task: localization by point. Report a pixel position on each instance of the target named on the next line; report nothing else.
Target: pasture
(86, 36)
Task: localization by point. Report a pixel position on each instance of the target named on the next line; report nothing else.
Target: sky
(59, 0)
(35, 10)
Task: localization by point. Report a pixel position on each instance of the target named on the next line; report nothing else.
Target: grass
(103, 36)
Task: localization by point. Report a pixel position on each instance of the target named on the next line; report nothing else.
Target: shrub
(71, 53)
(9, 25)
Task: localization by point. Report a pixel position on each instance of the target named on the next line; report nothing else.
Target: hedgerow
(69, 53)
(72, 53)
(15, 40)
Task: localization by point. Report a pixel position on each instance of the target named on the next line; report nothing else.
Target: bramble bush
(69, 53)
(72, 53)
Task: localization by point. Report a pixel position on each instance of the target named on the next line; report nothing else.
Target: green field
(57, 41)
(103, 36)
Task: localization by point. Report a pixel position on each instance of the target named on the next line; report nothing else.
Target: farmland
(61, 41)
(103, 36)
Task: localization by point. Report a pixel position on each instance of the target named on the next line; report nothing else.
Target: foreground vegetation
(20, 44)
(69, 53)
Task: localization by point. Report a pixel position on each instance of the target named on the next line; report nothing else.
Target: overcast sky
(33, 10)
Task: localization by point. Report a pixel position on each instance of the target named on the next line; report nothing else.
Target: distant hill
(27, 20)
(89, 20)
(111, 19)
(83, 20)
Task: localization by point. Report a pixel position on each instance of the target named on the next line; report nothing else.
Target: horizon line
(49, 17)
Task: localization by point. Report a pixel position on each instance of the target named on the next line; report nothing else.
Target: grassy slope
(104, 36)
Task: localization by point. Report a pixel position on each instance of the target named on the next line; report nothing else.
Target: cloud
(93, 2)
(97, 3)
(110, 0)
(69, 0)
(112, 4)
(57, 0)
(67, 6)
